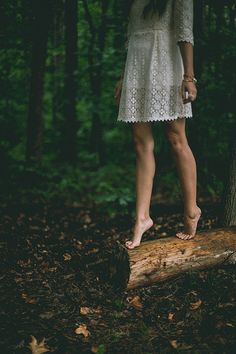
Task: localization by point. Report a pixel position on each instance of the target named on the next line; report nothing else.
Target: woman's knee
(178, 141)
(143, 144)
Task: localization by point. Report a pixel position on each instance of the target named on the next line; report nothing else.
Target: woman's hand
(118, 90)
(190, 87)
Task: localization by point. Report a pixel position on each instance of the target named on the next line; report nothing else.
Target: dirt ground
(51, 304)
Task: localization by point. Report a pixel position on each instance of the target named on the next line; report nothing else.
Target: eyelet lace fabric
(151, 89)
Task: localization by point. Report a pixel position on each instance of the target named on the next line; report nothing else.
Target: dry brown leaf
(93, 250)
(170, 316)
(67, 257)
(157, 227)
(62, 236)
(87, 219)
(173, 343)
(82, 329)
(136, 302)
(86, 310)
(193, 292)
(94, 348)
(18, 280)
(38, 347)
(203, 275)
(195, 305)
(27, 299)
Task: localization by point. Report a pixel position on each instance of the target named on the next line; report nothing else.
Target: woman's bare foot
(139, 229)
(190, 225)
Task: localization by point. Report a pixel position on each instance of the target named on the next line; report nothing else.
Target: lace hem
(185, 39)
(163, 119)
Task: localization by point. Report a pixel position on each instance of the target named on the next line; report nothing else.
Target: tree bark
(97, 41)
(229, 198)
(161, 259)
(58, 63)
(71, 37)
(41, 12)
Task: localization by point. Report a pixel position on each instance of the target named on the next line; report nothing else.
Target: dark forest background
(67, 189)
(59, 138)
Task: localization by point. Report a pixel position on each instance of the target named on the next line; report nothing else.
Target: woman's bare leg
(145, 170)
(186, 167)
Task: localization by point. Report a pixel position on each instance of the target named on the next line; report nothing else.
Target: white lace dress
(153, 74)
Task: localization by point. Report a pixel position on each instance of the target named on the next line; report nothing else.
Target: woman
(158, 84)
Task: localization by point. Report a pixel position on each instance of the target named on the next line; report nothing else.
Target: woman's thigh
(142, 132)
(175, 128)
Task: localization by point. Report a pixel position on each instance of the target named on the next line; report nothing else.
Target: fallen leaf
(94, 348)
(170, 316)
(98, 349)
(87, 219)
(38, 347)
(193, 292)
(67, 257)
(47, 315)
(27, 299)
(86, 310)
(82, 329)
(62, 236)
(195, 305)
(226, 304)
(173, 343)
(229, 324)
(203, 275)
(93, 250)
(157, 227)
(136, 302)
(18, 280)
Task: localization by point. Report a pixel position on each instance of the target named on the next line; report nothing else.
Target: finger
(191, 97)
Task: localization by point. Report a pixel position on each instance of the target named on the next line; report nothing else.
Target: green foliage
(101, 349)
(110, 184)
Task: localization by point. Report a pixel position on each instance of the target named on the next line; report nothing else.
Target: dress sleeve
(183, 21)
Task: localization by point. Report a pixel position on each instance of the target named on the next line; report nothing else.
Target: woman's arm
(183, 23)
(188, 84)
(186, 50)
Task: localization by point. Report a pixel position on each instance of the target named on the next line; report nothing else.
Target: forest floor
(47, 304)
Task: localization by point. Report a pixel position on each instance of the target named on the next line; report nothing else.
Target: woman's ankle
(142, 219)
(192, 211)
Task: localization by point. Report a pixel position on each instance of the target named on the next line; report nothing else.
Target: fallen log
(156, 260)
(160, 259)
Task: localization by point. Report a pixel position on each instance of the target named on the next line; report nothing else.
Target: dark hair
(153, 6)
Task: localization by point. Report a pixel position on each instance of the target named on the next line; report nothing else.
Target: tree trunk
(97, 44)
(71, 123)
(58, 62)
(41, 11)
(229, 212)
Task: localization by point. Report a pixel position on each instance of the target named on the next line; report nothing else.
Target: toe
(128, 244)
(180, 235)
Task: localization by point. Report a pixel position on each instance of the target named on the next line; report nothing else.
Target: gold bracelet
(189, 78)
